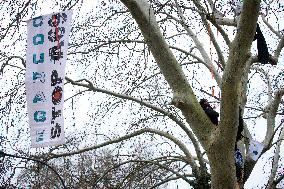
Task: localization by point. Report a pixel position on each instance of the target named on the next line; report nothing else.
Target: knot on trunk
(178, 101)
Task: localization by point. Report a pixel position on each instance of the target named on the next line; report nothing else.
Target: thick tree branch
(189, 157)
(279, 48)
(231, 86)
(183, 95)
(90, 86)
(275, 160)
(271, 110)
(235, 68)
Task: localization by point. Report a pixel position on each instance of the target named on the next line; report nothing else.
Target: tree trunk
(223, 172)
(218, 143)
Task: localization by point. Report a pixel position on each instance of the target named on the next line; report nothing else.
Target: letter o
(38, 39)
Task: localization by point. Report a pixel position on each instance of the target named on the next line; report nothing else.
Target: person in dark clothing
(210, 112)
(262, 49)
(240, 127)
(239, 163)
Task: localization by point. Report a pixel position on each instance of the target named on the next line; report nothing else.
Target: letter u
(41, 58)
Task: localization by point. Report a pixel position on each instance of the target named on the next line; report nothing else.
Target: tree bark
(222, 166)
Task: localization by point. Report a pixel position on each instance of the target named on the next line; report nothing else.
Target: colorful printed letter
(38, 39)
(41, 59)
(40, 116)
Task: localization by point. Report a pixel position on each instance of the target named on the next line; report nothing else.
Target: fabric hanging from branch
(45, 71)
(262, 49)
(255, 149)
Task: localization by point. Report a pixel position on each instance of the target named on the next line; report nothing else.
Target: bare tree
(149, 56)
(99, 169)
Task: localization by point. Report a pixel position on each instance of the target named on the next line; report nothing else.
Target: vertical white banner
(45, 71)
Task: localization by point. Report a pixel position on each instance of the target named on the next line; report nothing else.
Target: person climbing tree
(240, 127)
(263, 55)
(239, 163)
(210, 112)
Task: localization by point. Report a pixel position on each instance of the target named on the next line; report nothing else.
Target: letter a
(39, 97)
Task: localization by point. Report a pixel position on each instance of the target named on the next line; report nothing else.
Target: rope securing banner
(47, 45)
